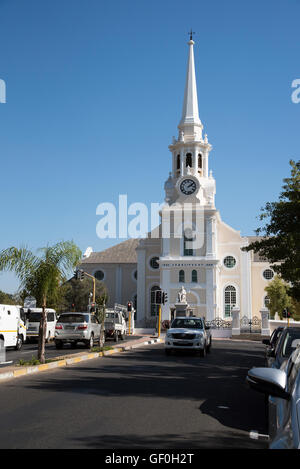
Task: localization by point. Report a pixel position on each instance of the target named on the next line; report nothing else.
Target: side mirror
(266, 342)
(271, 353)
(269, 381)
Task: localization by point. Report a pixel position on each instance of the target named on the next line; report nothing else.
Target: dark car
(286, 344)
(271, 343)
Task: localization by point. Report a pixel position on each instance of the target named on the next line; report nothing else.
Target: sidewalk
(15, 371)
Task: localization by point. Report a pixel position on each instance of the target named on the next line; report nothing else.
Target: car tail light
(81, 328)
(58, 327)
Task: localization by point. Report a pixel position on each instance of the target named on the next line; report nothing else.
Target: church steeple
(190, 124)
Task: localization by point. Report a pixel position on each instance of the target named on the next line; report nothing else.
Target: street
(137, 400)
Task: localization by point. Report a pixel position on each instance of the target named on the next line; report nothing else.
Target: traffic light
(129, 306)
(159, 297)
(81, 274)
(165, 297)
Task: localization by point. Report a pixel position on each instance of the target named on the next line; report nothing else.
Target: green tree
(77, 293)
(41, 275)
(277, 291)
(280, 240)
(7, 299)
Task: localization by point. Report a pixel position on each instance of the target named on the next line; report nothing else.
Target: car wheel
(208, 347)
(202, 352)
(58, 344)
(90, 343)
(122, 336)
(48, 338)
(116, 337)
(19, 342)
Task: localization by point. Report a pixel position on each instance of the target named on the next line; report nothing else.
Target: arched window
(188, 160)
(229, 300)
(153, 305)
(199, 161)
(187, 238)
(178, 162)
(194, 276)
(181, 276)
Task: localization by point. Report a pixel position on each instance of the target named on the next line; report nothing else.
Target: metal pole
(159, 319)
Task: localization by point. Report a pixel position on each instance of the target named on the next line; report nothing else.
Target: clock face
(188, 186)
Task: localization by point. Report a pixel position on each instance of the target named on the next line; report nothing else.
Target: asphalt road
(137, 400)
(29, 350)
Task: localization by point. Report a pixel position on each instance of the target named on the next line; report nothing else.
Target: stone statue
(182, 295)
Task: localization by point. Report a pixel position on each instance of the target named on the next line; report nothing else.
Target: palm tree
(41, 276)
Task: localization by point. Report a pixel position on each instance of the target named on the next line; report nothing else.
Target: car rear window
(67, 318)
(187, 323)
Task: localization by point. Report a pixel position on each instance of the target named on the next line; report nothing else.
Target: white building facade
(194, 247)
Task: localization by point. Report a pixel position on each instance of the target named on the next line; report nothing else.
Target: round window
(268, 274)
(99, 275)
(153, 263)
(229, 262)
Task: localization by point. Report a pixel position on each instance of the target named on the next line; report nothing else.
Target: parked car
(188, 333)
(78, 327)
(287, 342)
(283, 388)
(272, 341)
(33, 318)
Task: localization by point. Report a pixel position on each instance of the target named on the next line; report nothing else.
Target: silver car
(78, 327)
(283, 388)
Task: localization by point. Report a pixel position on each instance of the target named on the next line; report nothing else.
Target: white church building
(193, 247)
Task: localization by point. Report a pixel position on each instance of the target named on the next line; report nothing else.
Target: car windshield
(36, 317)
(187, 323)
(67, 318)
(290, 343)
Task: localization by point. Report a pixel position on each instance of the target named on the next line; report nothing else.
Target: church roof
(124, 252)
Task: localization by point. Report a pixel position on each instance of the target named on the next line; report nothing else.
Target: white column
(210, 237)
(245, 302)
(210, 293)
(141, 296)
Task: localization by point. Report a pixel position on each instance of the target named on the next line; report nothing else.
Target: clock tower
(188, 216)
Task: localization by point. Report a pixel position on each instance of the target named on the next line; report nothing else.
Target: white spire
(190, 122)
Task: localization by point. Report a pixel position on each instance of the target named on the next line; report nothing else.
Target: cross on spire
(191, 34)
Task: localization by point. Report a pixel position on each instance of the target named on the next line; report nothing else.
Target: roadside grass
(34, 361)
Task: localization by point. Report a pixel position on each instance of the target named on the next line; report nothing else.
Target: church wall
(258, 286)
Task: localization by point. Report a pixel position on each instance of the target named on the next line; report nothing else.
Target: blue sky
(94, 96)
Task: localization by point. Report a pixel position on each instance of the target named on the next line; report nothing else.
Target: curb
(28, 370)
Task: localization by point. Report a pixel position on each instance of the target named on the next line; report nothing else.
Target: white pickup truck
(188, 333)
(114, 325)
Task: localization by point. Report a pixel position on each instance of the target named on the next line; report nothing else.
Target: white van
(12, 326)
(33, 317)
